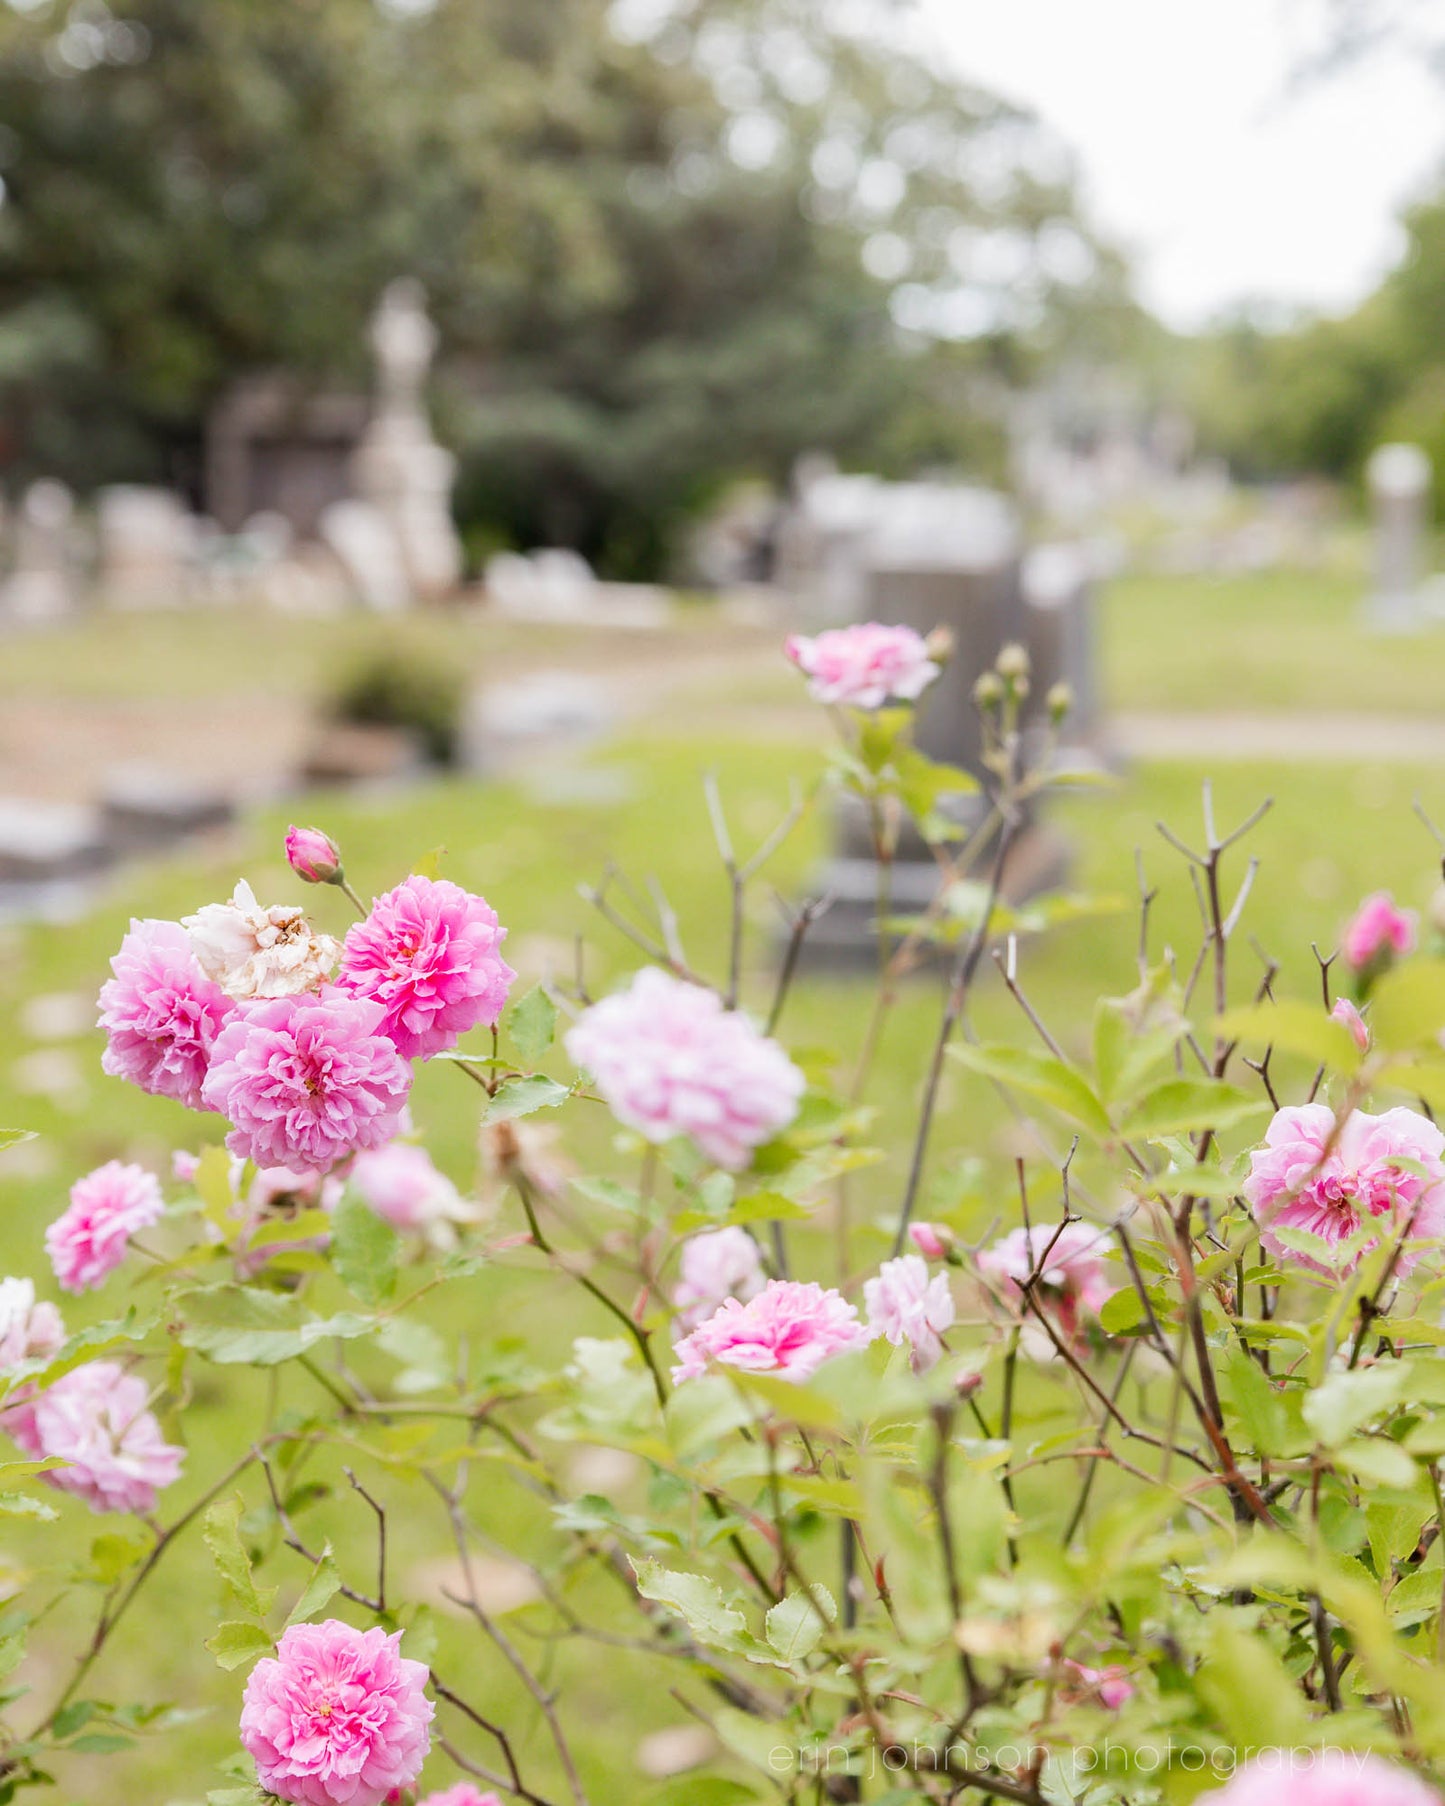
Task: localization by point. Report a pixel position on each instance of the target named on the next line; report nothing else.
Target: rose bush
(1089, 1494)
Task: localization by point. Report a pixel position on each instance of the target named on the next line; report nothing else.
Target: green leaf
(12, 1138)
(236, 1325)
(324, 1584)
(1123, 1313)
(365, 1251)
(1294, 1027)
(532, 1024)
(1345, 1402)
(222, 1536)
(215, 1186)
(1111, 1043)
(1041, 1076)
(696, 1599)
(796, 1625)
(523, 1096)
(1185, 1106)
(613, 1194)
(234, 1643)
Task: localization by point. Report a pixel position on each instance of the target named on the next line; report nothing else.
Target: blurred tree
(668, 242)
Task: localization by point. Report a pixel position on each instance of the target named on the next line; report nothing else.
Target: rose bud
(931, 1240)
(313, 856)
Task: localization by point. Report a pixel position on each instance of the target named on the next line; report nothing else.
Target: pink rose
(1345, 1012)
(911, 1309)
(931, 1240)
(27, 1328)
(1329, 1777)
(715, 1265)
(1329, 1181)
(107, 1207)
(789, 1329)
(307, 1080)
(161, 1014)
(95, 1418)
(669, 1060)
(1067, 1265)
(865, 665)
(337, 1717)
(430, 954)
(313, 856)
(1377, 929)
(400, 1183)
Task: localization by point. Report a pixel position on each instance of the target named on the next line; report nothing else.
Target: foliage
(400, 687)
(884, 1578)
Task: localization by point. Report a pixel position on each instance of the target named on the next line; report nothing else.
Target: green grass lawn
(1182, 644)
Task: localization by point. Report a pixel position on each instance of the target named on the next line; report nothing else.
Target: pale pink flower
(1110, 1686)
(463, 1794)
(669, 1060)
(1328, 1777)
(788, 1329)
(1067, 1264)
(430, 954)
(1330, 1181)
(27, 1328)
(107, 1207)
(911, 1309)
(95, 1419)
(254, 952)
(717, 1264)
(400, 1183)
(313, 856)
(864, 665)
(932, 1240)
(161, 1013)
(1345, 1012)
(1378, 928)
(337, 1717)
(306, 1080)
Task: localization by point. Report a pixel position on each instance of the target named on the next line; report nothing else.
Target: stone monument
(41, 585)
(1399, 479)
(147, 546)
(398, 468)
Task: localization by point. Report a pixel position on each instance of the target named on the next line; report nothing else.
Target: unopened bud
(1059, 701)
(967, 1384)
(1012, 662)
(931, 1240)
(988, 691)
(313, 855)
(939, 644)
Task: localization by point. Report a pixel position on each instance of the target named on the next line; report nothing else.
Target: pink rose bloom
(1074, 1282)
(670, 1060)
(931, 1240)
(337, 1717)
(1378, 927)
(312, 855)
(430, 954)
(161, 1012)
(864, 665)
(1329, 1184)
(400, 1183)
(911, 1309)
(306, 1080)
(1110, 1686)
(1344, 1011)
(718, 1264)
(107, 1207)
(95, 1418)
(1322, 1778)
(789, 1329)
(27, 1329)
(463, 1794)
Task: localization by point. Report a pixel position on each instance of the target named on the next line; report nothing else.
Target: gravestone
(398, 467)
(147, 547)
(1399, 479)
(361, 538)
(41, 585)
(272, 446)
(1060, 630)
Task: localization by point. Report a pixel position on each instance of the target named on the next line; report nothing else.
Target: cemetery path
(1378, 739)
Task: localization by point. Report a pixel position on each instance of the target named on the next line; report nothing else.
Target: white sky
(1221, 181)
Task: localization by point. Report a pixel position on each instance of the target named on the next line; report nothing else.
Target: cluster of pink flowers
(235, 1011)
(910, 1308)
(107, 1207)
(96, 1419)
(1067, 1265)
(716, 1265)
(1328, 1777)
(788, 1329)
(1330, 1179)
(337, 1717)
(863, 666)
(669, 1060)
(1378, 931)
